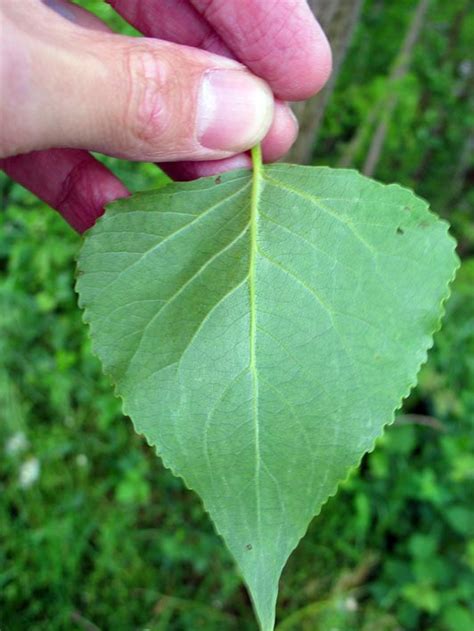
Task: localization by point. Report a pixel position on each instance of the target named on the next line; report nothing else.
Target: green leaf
(261, 329)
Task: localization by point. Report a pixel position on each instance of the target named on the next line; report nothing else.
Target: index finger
(280, 41)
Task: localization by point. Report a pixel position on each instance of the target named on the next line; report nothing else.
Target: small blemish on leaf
(248, 546)
(218, 179)
(400, 230)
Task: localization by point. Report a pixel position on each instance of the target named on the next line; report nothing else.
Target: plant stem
(257, 159)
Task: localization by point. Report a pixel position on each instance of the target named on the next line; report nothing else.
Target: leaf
(261, 329)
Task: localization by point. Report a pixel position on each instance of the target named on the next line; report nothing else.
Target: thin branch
(82, 622)
(400, 69)
(421, 419)
(338, 19)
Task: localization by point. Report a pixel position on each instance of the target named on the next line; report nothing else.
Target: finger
(277, 142)
(189, 170)
(70, 181)
(173, 20)
(282, 133)
(179, 22)
(139, 99)
(279, 41)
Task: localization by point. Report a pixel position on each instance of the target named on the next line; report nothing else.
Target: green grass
(106, 538)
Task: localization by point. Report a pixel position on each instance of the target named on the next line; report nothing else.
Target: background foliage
(94, 533)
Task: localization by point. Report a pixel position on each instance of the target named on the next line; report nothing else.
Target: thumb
(135, 98)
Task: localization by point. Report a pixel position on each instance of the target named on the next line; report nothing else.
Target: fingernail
(235, 110)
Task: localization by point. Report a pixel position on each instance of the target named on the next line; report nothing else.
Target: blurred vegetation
(96, 534)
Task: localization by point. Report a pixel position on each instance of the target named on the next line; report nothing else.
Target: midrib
(254, 201)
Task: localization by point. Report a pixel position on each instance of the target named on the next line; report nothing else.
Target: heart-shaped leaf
(261, 329)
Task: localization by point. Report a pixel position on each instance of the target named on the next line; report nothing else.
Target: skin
(209, 79)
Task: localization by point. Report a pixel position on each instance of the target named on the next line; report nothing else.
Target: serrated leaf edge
(411, 384)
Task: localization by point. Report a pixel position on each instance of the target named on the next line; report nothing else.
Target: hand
(209, 81)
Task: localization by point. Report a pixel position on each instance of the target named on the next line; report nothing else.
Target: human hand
(178, 96)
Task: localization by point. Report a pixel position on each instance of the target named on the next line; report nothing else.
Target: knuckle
(147, 107)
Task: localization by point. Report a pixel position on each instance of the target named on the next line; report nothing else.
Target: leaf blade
(266, 379)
